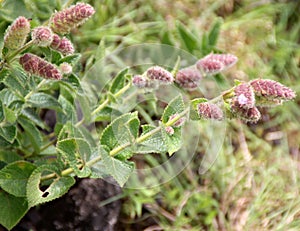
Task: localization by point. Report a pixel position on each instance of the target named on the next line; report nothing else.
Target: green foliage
(60, 119)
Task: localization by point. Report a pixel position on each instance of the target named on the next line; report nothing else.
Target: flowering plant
(39, 163)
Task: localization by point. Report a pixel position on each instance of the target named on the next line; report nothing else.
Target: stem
(119, 93)
(34, 90)
(144, 114)
(118, 149)
(15, 53)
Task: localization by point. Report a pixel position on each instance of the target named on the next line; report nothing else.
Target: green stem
(107, 101)
(34, 90)
(15, 53)
(144, 114)
(118, 149)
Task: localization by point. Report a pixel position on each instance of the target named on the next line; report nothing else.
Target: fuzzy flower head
(65, 68)
(159, 74)
(215, 63)
(270, 89)
(16, 34)
(251, 115)
(64, 21)
(188, 78)
(38, 66)
(244, 96)
(42, 36)
(210, 111)
(141, 82)
(62, 45)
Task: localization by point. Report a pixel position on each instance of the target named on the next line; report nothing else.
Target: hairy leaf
(12, 209)
(119, 170)
(174, 107)
(42, 100)
(14, 177)
(123, 130)
(119, 81)
(58, 187)
(76, 152)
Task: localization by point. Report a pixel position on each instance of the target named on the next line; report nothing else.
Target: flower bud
(210, 111)
(188, 78)
(244, 96)
(215, 63)
(62, 45)
(139, 81)
(179, 122)
(16, 34)
(65, 68)
(209, 66)
(161, 75)
(63, 21)
(38, 66)
(42, 36)
(169, 130)
(271, 89)
(251, 115)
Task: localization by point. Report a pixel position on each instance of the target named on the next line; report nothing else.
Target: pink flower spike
(215, 63)
(42, 36)
(251, 115)
(160, 74)
(210, 111)
(64, 21)
(16, 34)
(139, 81)
(188, 78)
(271, 89)
(38, 66)
(209, 66)
(244, 96)
(62, 45)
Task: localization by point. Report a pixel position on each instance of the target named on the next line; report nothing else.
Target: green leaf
(9, 133)
(68, 112)
(42, 100)
(32, 115)
(76, 152)
(154, 144)
(119, 170)
(122, 130)
(71, 59)
(189, 40)
(14, 177)
(9, 156)
(12, 209)
(174, 141)
(16, 81)
(106, 114)
(174, 107)
(9, 115)
(58, 187)
(1, 112)
(119, 81)
(8, 97)
(214, 33)
(32, 133)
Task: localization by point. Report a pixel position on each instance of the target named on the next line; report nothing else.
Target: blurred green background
(254, 183)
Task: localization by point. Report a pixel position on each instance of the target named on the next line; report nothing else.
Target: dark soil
(79, 210)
